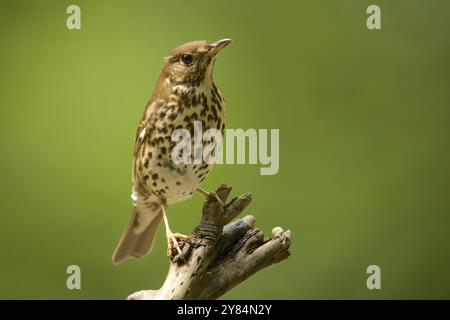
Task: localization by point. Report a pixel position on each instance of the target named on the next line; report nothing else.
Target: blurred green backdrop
(364, 124)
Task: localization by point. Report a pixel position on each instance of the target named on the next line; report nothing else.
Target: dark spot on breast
(178, 183)
(184, 99)
(173, 116)
(205, 105)
(214, 110)
(190, 128)
(194, 100)
(155, 176)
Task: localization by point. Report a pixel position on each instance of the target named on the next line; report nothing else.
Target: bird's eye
(186, 58)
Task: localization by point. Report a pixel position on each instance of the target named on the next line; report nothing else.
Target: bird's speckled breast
(157, 172)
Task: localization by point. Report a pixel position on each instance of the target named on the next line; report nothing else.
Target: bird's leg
(171, 237)
(211, 194)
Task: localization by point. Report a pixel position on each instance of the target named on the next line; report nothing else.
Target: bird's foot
(173, 242)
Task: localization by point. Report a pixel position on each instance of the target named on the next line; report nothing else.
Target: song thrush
(185, 93)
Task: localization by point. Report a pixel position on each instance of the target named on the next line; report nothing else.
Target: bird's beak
(217, 46)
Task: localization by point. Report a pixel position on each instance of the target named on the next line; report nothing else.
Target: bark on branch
(220, 254)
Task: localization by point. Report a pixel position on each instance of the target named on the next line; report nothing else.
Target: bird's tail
(138, 237)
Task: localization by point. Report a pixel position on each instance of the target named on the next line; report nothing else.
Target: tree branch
(220, 254)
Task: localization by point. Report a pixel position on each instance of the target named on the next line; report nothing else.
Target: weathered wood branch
(220, 254)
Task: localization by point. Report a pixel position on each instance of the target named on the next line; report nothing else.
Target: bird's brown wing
(144, 134)
(158, 100)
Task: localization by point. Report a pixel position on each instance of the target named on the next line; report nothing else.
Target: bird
(185, 93)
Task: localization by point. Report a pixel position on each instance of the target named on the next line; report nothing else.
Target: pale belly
(179, 183)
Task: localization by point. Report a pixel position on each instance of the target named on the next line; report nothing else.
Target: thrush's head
(193, 62)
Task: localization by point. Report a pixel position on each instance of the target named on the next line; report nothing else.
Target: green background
(364, 141)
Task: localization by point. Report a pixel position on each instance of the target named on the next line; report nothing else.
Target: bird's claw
(173, 243)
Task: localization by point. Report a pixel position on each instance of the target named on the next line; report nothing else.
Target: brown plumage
(184, 93)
